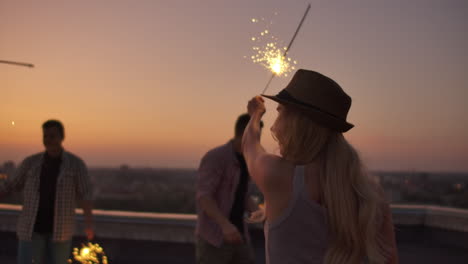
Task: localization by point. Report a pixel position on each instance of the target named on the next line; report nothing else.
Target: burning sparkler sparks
(269, 53)
(89, 254)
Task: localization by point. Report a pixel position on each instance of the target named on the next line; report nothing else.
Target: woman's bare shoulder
(276, 171)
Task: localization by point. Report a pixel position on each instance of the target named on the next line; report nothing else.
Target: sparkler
(17, 63)
(89, 254)
(271, 56)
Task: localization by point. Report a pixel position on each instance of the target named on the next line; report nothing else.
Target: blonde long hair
(352, 198)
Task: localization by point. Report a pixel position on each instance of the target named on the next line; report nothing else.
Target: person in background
(321, 204)
(222, 197)
(52, 182)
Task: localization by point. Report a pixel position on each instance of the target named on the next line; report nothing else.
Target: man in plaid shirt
(52, 182)
(223, 197)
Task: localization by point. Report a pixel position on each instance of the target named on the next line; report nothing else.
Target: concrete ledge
(122, 225)
(180, 227)
(431, 216)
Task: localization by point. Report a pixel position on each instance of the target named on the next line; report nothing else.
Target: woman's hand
(258, 216)
(256, 106)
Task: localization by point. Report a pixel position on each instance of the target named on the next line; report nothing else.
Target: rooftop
(425, 234)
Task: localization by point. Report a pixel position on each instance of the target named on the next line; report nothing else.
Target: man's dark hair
(241, 123)
(54, 123)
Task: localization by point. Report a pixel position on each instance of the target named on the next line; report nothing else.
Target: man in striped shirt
(52, 182)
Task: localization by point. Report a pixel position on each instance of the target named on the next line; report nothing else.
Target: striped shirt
(73, 183)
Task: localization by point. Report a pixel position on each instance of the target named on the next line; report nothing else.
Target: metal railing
(180, 227)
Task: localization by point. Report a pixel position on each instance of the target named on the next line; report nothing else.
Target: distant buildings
(7, 169)
(173, 190)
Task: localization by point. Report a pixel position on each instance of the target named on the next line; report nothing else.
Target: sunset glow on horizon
(154, 84)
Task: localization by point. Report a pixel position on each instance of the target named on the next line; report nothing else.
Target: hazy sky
(158, 83)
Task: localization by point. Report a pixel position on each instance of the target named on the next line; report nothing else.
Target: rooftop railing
(180, 227)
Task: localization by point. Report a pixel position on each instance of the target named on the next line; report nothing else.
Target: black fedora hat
(319, 97)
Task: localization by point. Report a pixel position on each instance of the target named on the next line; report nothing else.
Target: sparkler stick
(17, 63)
(289, 46)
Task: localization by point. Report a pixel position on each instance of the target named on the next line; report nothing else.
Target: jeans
(226, 254)
(42, 250)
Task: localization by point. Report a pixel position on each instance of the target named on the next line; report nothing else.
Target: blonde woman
(322, 206)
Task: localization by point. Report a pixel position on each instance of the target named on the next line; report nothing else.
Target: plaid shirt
(218, 177)
(73, 184)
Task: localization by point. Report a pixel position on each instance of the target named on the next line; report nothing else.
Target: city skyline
(153, 84)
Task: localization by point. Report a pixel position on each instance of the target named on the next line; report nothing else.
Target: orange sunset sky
(158, 83)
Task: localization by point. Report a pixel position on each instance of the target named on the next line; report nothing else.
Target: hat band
(285, 95)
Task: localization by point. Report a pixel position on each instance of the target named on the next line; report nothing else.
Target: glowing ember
(84, 252)
(271, 57)
(268, 52)
(89, 254)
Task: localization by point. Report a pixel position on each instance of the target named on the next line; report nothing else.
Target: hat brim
(321, 117)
